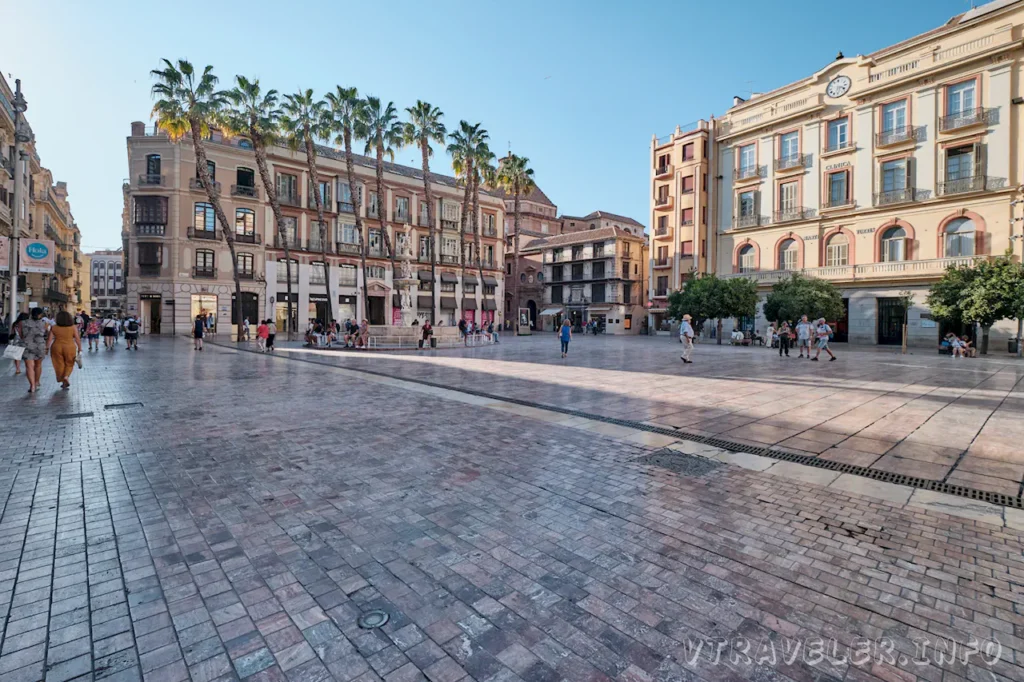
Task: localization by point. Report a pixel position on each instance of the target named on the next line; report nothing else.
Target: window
(577, 252)
(746, 258)
(449, 287)
(151, 210)
(317, 273)
(577, 271)
(371, 210)
(597, 293)
(837, 250)
(540, 278)
(150, 254)
(959, 238)
(748, 160)
(402, 209)
(662, 286)
(347, 275)
(556, 255)
(349, 234)
(788, 197)
(663, 223)
(153, 167)
(686, 249)
(662, 194)
(287, 187)
(375, 243)
(375, 271)
(789, 146)
(747, 204)
(687, 216)
(960, 98)
(894, 175)
(450, 247)
(788, 255)
(598, 249)
(244, 143)
(424, 250)
(325, 192)
(687, 184)
(282, 270)
(627, 294)
(894, 245)
(687, 151)
(211, 168)
(245, 221)
(894, 116)
(661, 255)
(960, 163)
(204, 219)
(556, 273)
(449, 211)
(838, 194)
(245, 177)
(489, 254)
(838, 134)
(290, 230)
(205, 259)
(556, 294)
(245, 264)
(597, 271)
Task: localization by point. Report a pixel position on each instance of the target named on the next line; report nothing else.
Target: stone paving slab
(237, 523)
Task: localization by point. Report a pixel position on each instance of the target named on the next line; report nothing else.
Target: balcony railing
(346, 248)
(150, 230)
(211, 235)
(751, 220)
(316, 246)
(663, 170)
(972, 183)
(55, 295)
(325, 202)
(447, 259)
(895, 196)
(661, 262)
(246, 274)
(795, 213)
(749, 172)
(930, 268)
(662, 201)
(449, 224)
(897, 135)
(838, 147)
(687, 222)
(964, 119)
(204, 273)
(151, 179)
(346, 207)
(249, 238)
(490, 231)
(661, 232)
(149, 269)
(792, 161)
(401, 217)
(489, 264)
(245, 191)
(279, 242)
(423, 258)
(289, 200)
(196, 184)
(61, 269)
(837, 202)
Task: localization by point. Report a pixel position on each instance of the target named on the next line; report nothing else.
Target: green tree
(257, 116)
(703, 298)
(798, 295)
(463, 150)
(515, 177)
(981, 294)
(425, 126)
(383, 132)
(190, 104)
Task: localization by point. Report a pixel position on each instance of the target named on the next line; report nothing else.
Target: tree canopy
(983, 293)
(798, 295)
(709, 297)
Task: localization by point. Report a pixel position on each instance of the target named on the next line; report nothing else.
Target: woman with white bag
(15, 346)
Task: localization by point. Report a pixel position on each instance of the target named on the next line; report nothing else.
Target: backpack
(133, 326)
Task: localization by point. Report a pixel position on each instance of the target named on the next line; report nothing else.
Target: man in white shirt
(823, 332)
(803, 336)
(686, 338)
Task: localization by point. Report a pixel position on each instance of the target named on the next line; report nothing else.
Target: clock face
(838, 86)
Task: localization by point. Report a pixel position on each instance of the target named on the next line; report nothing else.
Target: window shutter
(979, 159)
(757, 205)
(910, 174)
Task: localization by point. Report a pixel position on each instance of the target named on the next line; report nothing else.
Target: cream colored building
(878, 172)
(178, 263)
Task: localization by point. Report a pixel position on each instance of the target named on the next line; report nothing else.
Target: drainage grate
(885, 476)
(121, 406)
(74, 415)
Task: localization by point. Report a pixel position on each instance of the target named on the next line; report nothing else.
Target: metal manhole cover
(680, 462)
(373, 619)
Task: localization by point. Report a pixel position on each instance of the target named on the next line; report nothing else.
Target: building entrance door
(153, 318)
(377, 310)
(842, 330)
(890, 322)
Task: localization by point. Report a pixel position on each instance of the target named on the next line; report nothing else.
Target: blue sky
(577, 86)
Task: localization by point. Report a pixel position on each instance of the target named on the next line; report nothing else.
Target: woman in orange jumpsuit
(65, 345)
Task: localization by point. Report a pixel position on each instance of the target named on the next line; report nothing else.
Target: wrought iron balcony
(749, 172)
(149, 269)
(279, 242)
(246, 274)
(245, 191)
(448, 259)
(55, 295)
(61, 269)
(970, 117)
(489, 264)
(204, 273)
(196, 184)
(249, 238)
(346, 248)
(839, 146)
(151, 179)
(795, 213)
(971, 183)
(687, 222)
(660, 232)
(402, 217)
(289, 200)
(751, 220)
(898, 135)
(895, 196)
(423, 258)
(449, 224)
(663, 170)
(211, 235)
(317, 246)
(346, 207)
(661, 262)
(490, 231)
(837, 202)
(150, 230)
(792, 161)
(423, 221)
(324, 201)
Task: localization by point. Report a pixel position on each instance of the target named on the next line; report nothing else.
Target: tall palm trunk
(229, 236)
(275, 206)
(515, 256)
(315, 177)
(350, 173)
(425, 151)
(477, 229)
(382, 209)
(462, 218)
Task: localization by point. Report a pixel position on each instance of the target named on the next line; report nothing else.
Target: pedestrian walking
(262, 332)
(65, 345)
(131, 333)
(109, 332)
(245, 329)
(463, 333)
(33, 336)
(686, 338)
(823, 332)
(803, 336)
(198, 329)
(784, 338)
(565, 335)
(271, 334)
(16, 339)
(92, 333)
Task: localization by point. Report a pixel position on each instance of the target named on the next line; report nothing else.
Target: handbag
(13, 352)
(78, 360)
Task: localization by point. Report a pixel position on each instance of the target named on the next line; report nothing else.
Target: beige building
(679, 243)
(107, 292)
(178, 264)
(878, 172)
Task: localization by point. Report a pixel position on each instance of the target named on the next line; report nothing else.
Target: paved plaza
(227, 515)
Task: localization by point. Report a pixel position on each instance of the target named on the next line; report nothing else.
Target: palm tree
(424, 127)
(515, 177)
(189, 104)
(306, 121)
(462, 148)
(257, 116)
(383, 132)
(345, 107)
(483, 171)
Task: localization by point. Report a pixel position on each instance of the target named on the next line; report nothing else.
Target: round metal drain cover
(373, 619)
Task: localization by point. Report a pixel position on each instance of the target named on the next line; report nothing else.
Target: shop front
(205, 305)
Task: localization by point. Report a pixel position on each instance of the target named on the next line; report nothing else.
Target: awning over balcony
(551, 311)
(425, 302)
(449, 277)
(425, 276)
(470, 278)
(490, 281)
(448, 303)
(489, 304)
(469, 304)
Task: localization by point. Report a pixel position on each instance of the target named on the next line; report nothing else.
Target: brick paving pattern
(237, 523)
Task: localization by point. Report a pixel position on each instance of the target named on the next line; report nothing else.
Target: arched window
(522, 277)
(540, 276)
(894, 245)
(837, 250)
(245, 222)
(960, 238)
(788, 255)
(746, 259)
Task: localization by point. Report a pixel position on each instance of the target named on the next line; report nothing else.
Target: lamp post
(21, 136)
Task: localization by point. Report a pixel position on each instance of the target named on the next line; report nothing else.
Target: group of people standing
(471, 328)
(802, 333)
(39, 336)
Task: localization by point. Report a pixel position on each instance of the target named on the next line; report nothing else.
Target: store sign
(36, 255)
(5, 254)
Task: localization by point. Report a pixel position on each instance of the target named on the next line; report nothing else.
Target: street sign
(36, 255)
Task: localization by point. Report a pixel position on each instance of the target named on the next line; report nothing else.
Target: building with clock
(875, 172)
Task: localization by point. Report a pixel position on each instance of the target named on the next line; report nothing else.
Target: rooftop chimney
(737, 100)
(138, 129)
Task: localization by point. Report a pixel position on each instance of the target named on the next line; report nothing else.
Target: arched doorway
(533, 314)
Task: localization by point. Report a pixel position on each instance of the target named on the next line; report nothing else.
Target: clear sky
(578, 86)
